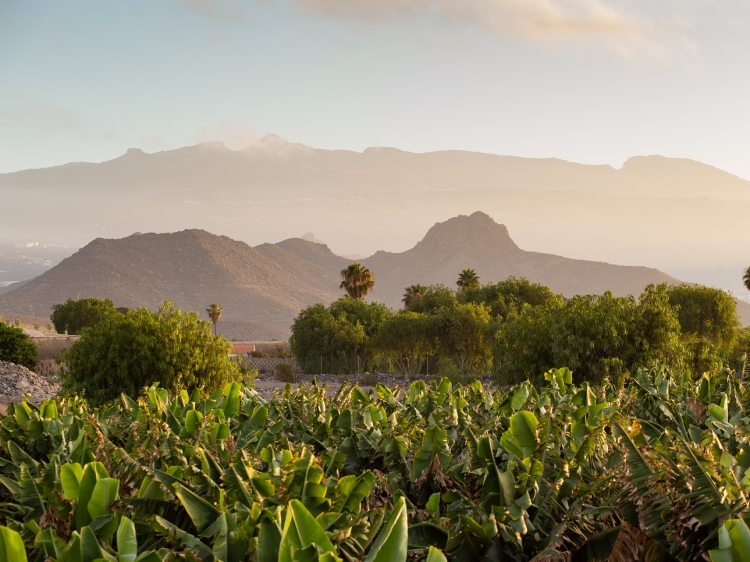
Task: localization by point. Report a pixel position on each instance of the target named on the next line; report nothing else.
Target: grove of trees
(515, 330)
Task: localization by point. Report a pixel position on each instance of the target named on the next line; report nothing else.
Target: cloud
(235, 136)
(629, 28)
(624, 27)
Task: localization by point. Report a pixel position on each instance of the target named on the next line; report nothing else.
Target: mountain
(680, 216)
(262, 288)
(480, 243)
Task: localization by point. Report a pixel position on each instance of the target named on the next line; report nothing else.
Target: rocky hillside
(262, 288)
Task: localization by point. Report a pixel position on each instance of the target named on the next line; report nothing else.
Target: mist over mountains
(262, 288)
(679, 216)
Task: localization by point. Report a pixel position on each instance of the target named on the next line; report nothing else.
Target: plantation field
(657, 469)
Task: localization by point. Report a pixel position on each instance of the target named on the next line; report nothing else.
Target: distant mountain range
(680, 216)
(262, 288)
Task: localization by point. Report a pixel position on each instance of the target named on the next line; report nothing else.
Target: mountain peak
(477, 230)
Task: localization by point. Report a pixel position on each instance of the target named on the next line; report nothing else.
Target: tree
(16, 347)
(125, 353)
(318, 334)
(357, 280)
(463, 334)
(746, 278)
(75, 315)
(706, 313)
(413, 293)
(406, 338)
(214, 313)
(507, 298)
(433, 298)
(467, 279)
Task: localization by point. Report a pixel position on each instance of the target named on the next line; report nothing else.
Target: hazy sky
(592, 81)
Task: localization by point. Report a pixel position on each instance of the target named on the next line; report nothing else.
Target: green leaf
(392, 542)
(523, 426)
(422, 535)
(231, 404)
(201, 513)
(12, 548)
(434, 555)
(301, 530)
(193, 419)
(127, 541)
(70, 478)
(433, 504)
(105, 491)
(269, 539)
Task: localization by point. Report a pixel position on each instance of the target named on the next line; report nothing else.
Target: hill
(480, 243)
(667, 213)
(262, 288)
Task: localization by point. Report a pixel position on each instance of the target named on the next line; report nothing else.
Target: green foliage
(595, 336)
(357, 281)
(467, 279)
(708, 319)
(125, 353)
(75, 315)
(342, 331)
(654, 470)
(407, 338)
(433, 298)
(16, 347)
(506, 299)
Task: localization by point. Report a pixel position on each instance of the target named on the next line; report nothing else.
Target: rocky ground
(17, 380)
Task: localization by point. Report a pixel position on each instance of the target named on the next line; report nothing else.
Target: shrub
(124, 353)
(16, 347)
(368, 379)
(284, 373)
(259, 354)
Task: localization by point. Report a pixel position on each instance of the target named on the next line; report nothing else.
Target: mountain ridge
(262, 288)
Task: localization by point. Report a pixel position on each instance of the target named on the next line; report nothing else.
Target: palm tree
(413, 293)
(214, 313)
(357, 280)
(746, 278)
(468, 279)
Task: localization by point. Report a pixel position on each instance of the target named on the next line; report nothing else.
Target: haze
(594, 82)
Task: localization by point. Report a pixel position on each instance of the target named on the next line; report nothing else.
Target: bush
(75, 315)
(16, 347)
(123, 353)
(284, 373)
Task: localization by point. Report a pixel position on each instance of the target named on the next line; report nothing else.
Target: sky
(591, 81)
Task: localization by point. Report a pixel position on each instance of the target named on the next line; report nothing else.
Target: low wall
(49, 346)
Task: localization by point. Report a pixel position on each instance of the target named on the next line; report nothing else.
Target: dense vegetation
(656, 469)
(73, 316)
(16, 347)
(515, 329)
(126, 352)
